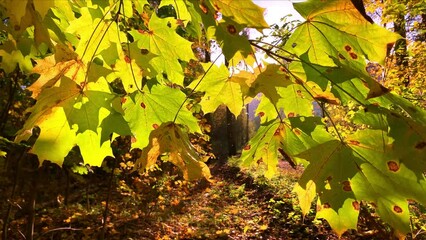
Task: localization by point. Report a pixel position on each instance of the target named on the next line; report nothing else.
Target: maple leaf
(219, 89)
(70, 114)
(169, 139)
(180, 8)
(13, 57)
(292, 136)
(320, 176)
(225, 31)
(371, 163)
(128, 71)
(242, 11)
(167, 46)
(52, 68)
(145, 111)
(24, 14)
(337, 29)
(281, 91)
(97, 32)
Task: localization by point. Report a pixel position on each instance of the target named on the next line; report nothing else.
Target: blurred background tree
(405, 70)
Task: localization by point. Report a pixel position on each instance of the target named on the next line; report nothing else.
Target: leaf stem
(269, 53)
(302, 83)
(195, 87)
(128, 49)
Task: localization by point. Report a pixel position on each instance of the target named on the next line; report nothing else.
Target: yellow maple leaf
(171, 140)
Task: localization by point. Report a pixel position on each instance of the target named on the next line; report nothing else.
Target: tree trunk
(401, 49)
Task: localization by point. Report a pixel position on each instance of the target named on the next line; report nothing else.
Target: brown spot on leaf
(329, 178)
(247, 147)
(155, 126)
(277, 132)
(342, 57)
(354, 142)
(123, 100)
(204, 8)
(397, 209)
(353, 55)
(329, 70)
(216, 15)
(420, 145)
(143, 105)
(261, 114)
(347, 186)
(297, 131)
(133, 139)
(356, 206)
(348, 48)
(393, 166)
(177, 134)
(127, 59)
(291, 114)
(293, 45)
(326, 205)
(180, 22)
(231, 29)
(144, 51)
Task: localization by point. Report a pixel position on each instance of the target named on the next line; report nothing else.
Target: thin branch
(269, 53)
(199, 82)
(89, 64)
(301, 83)
(128, 49)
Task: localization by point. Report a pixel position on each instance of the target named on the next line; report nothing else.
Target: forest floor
(234, 205)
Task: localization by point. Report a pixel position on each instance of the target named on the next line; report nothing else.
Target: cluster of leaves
(81, 49)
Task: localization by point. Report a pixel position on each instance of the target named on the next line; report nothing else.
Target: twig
(105, 215)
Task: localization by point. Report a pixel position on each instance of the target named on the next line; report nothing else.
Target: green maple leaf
(70, 115)
(242, 11)
(336, 28)
(291, 137)
(219, 89)
(145, 111)
(281, 91)
(266, 110)
(170, 139)
(13, 57)
(390, 169)
(371, 163)
(268, 81)
(343, 82)
(331, 166)
(97, 32)
(225, 31)
(128, 71)
(162, 41)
